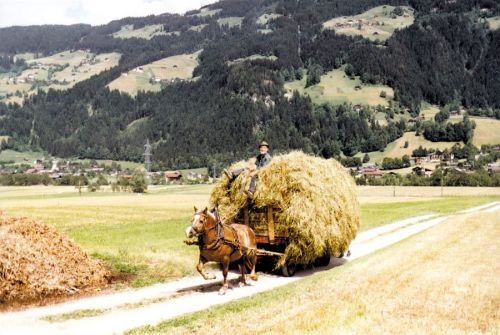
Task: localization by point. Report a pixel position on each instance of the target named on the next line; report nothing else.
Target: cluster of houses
(424, 166)
(356, 23)
(57, 171)
(30, 78)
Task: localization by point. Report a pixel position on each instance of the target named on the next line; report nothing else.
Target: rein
(219, 228)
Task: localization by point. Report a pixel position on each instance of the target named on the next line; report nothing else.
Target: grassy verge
(416, 286)
(376, 214)
(83, 313)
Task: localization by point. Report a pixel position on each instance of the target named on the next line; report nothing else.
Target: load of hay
(37, 261)
(317, 197)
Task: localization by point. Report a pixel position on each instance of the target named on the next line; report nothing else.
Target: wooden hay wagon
(271, 238)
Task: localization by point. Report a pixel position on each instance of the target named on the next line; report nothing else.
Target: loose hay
(320, 209)
(37, 261)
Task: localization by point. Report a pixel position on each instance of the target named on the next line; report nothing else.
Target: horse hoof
(211, 276)
(254, 277)
(222, 290)
(241, 284)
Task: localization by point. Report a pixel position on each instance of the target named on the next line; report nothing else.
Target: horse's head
(202, 221)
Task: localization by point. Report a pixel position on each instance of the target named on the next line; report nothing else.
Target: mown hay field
(435, 282)
(78, 65)
(377, 23)
(204, 12)
(486, 132)
(336, 88)
(146, 32)
(494, 22)
(232, 21)
(140, 236)
(169, 68)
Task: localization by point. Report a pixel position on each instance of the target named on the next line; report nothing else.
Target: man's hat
(263, 144)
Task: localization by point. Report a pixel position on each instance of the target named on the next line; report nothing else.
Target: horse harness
(221, 239)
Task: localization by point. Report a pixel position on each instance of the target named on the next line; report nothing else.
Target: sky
(94, 12)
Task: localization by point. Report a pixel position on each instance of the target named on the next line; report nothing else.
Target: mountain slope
(448, 53)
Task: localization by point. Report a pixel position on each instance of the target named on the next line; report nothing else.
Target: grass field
(252, 57)
(174, 67)
(198, 27)
(377, 23)
(26, 157)
(141, 235)
(335, 87)
(434, 283)
(78, 65)
(25, 55)
(232, 21)
(494, 22)
(206, 12)
(487, 131)
(265, 18)
(146, 32)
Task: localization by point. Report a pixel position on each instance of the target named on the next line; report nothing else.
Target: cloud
(95, 12)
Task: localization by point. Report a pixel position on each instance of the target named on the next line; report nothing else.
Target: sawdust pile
(320, 209)
(37, 261)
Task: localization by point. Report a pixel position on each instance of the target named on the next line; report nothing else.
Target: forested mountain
(448, 53)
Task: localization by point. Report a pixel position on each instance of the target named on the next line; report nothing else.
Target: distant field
(265, 31)
(146, 32)
(397, 149)
(265, 18)
(25, 55)
(335, 87)
(231, 21)
(206, 12)
(78, 65)
(198, 27)
(487, 131)
(252, 57)
(494, 22)
(174, 67)
(27, 157)
(377, 23)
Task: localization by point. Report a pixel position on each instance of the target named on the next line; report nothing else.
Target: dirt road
(117, 312)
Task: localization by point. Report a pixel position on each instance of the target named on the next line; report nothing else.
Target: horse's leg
(243, 267)
(252, 262)
(199, 267)
(225, 270)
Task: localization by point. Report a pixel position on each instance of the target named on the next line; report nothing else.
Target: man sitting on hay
(262, 159)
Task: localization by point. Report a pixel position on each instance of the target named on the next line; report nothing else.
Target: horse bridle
(218, 223)
(219, 226)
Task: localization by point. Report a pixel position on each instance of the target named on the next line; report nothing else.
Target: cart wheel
(288, 270)
(324, 260)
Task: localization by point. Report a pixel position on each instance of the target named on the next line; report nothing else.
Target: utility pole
(147, 156)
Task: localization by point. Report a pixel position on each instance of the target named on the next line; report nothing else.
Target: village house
(371, 171)
(422, 171)
(172, 175)
(38, 165)
(494, 167)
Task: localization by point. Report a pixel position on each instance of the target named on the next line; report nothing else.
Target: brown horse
(224, 244)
